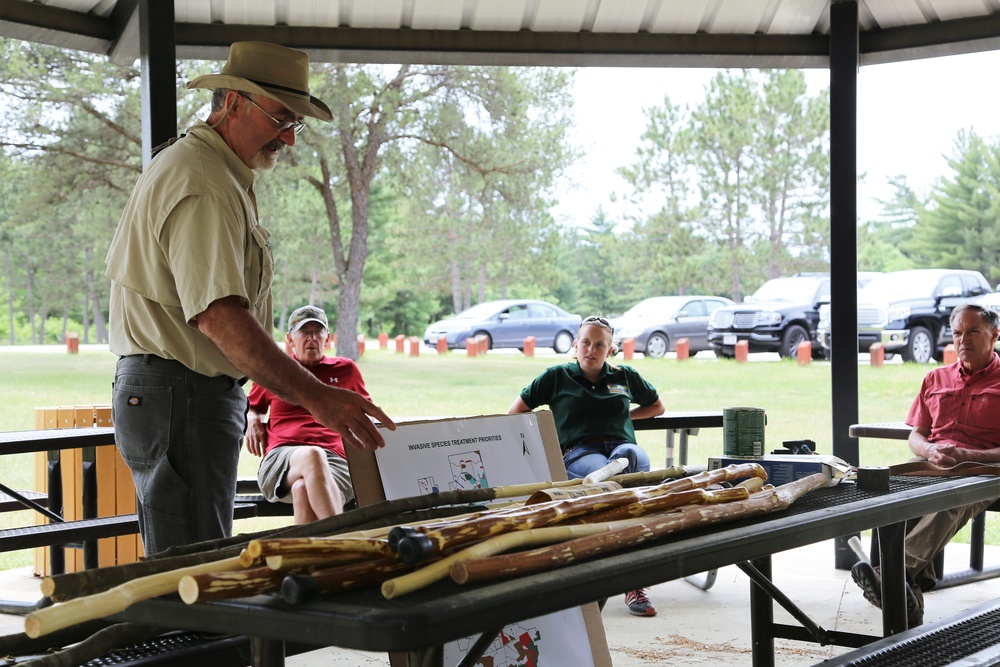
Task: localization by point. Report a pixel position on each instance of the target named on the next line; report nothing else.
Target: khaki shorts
(274, 468)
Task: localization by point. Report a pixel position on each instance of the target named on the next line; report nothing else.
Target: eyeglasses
(312, 333)
(281, 125)
(596, 319)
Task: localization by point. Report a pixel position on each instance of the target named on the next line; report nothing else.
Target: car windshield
(480, 312)
(655, 307)
(793, 290)
(898, 286)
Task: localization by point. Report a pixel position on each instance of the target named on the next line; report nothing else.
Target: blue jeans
(588, 457)
(180, 433)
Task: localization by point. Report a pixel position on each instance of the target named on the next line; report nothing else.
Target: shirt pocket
(945, 404)
(984, 407)
(260, 267)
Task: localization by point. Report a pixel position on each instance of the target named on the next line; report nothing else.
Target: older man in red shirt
(303, 460)
(955, 418)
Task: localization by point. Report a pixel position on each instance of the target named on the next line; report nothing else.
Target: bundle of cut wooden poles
(558, 524)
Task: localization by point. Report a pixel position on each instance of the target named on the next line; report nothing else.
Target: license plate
(729, 339)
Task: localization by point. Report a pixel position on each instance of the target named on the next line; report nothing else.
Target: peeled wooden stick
(752, 485)
(647, 506)
(260, 549)
(311, 561)
(112, 601)
(609, 473)
(85, 582)
(526, 562)
(221, 585)
(413, 545)
(425, 576)
(566, 493)
(299, 588)
(583, 526)
(657, 476)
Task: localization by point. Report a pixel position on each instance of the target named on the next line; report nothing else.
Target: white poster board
(480, 452)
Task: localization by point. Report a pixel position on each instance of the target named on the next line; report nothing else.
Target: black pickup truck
(782, 313)
(909, 311)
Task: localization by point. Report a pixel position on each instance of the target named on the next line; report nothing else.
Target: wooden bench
(970, 638)
(977, 571)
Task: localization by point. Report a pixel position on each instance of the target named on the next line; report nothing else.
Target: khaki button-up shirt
(189, 235)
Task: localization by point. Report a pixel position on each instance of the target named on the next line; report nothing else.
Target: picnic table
(682, 425)
(422, 622)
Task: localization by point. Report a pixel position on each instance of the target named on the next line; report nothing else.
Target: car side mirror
(680, 314)
(823, 301)
(504, 316)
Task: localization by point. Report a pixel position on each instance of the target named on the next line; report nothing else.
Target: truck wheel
(920, 347)
(790, 341)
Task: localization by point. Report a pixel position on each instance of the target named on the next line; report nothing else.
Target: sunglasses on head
(595, 319)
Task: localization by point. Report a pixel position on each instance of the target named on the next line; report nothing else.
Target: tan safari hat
(271, 70)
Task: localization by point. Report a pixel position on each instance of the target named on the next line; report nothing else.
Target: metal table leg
(761, 618)
(267, 652)
(670, 448)
(429, 657)
(893, 571)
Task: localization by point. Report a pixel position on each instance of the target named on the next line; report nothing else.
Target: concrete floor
(693, 627)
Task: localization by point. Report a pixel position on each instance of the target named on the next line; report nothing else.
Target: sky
(909, 114)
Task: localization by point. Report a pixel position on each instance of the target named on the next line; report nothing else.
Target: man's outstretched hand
(351, 415)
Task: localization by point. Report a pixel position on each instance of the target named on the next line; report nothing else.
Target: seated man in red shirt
(955, 418)
(303, 460)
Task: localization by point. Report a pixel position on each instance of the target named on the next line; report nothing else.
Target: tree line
(431, 191)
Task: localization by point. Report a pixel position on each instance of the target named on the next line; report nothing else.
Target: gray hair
(989, 316)
(219, 98)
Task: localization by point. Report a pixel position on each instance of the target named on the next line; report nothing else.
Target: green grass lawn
(796, 399)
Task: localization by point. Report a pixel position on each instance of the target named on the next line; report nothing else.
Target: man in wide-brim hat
(190, 314)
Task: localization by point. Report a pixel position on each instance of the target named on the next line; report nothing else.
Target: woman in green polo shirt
(592, 406)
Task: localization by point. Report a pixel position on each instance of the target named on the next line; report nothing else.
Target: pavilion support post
(158, 59)
(844, 64)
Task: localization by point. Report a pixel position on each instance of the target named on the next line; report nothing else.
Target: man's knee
(299, 493)
(307, 462)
